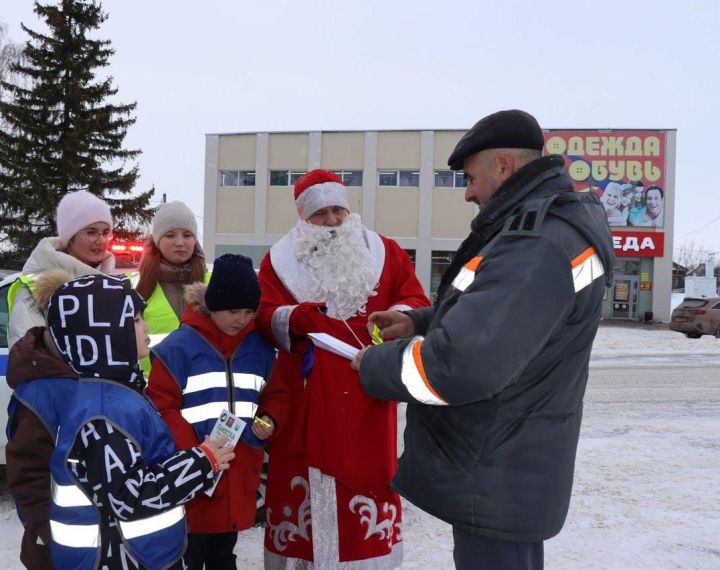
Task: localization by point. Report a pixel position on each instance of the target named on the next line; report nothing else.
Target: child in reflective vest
(118, 484)
(217, 361)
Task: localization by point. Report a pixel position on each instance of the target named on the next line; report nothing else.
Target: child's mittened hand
(263, 427)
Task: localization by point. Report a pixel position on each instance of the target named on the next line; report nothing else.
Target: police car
(4, 388)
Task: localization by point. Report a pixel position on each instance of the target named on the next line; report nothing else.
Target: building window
(237, 178)
(285, 177)
(439, 264)
(388, 178)
(411, 255)
(449, 179)
(626, 267)
(350, 177)
(399, 178)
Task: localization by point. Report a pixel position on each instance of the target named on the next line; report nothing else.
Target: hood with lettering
(91, 320)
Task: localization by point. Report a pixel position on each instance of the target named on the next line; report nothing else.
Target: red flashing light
(125, 247)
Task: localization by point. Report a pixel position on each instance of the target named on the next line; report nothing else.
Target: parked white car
(4, 388)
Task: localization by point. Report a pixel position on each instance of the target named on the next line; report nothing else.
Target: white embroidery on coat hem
(286, 531)
(368, 512)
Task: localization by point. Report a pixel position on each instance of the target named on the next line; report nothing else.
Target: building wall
(421, 218)
(345, 151)
(430, 220)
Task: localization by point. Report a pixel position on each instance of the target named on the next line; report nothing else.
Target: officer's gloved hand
(307, 318)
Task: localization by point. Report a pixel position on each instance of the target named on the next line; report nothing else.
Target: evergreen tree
(9, 53)
(61, 132)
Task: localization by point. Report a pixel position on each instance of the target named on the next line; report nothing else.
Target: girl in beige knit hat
(172, 259)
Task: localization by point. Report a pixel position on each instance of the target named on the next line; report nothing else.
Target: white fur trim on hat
(77, 210)
(173, 215)
(320, 196)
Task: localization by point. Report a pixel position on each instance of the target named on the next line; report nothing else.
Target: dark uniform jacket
(495, 383)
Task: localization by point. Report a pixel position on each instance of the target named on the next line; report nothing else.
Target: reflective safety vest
(157, 541)
(159, 316)
(210, 384)
(47, 398)
(22, 281)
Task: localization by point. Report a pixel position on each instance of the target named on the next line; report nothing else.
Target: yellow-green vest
(22, 281)
(160, 318)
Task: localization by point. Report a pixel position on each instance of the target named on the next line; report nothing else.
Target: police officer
(495, 373)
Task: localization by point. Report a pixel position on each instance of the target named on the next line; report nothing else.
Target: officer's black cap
(504, 129)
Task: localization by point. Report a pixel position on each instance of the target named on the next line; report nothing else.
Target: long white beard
(338, 262)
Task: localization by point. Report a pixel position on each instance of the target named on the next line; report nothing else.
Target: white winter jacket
(48, 254)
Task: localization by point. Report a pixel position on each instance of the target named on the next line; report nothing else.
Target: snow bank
(647, 489)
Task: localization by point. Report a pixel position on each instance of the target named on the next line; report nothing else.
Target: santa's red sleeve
(277, 396)
(274, 297)
(278, 307)
(164, 391)
(407, 292)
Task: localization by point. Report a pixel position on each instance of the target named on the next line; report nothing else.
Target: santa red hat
(319, 189)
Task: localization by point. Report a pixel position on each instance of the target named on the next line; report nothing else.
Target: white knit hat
(78, 210)
(172, 216)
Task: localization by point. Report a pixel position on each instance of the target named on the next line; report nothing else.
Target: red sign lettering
(638, 244)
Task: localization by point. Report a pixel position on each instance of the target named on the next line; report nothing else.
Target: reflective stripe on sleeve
(212, 411)
(586, 267)
(208, 380)
(467, 274)
(413, 375)
(75, 535)
(149, 525)
(69, 496)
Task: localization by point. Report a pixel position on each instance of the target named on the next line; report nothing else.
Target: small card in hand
(230, 426)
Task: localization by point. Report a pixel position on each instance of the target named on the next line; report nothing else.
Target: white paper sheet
(334, 345)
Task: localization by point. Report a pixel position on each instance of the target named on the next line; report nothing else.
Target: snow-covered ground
(647, 486)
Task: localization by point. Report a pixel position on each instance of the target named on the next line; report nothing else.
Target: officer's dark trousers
(474, 552)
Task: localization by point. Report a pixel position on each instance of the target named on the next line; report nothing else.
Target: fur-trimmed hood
(195, 297)
(197, 316)
(47, 283)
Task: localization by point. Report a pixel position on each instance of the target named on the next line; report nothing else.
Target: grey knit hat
(172, 216)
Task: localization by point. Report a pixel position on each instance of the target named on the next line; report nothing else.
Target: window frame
(241, 176)
(291, 176)
(415, 173)
(344, 174)
(457, 178)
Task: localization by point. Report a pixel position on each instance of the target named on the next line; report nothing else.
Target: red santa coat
(334, 451)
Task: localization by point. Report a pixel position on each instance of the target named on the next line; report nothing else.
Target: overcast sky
(234, 65)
